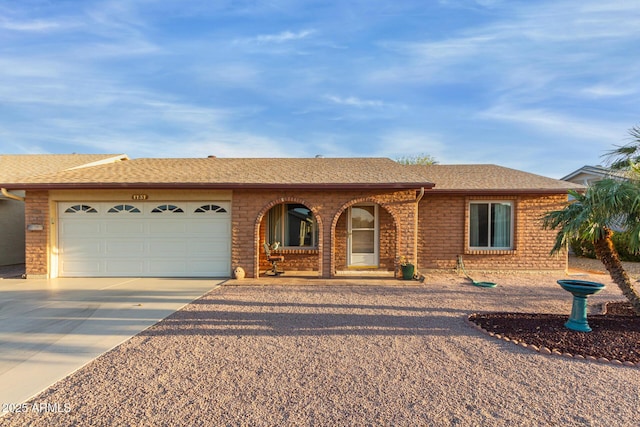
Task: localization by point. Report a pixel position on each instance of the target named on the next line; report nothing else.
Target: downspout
(8, 195)
(415, 230)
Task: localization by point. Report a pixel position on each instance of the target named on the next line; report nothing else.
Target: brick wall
(37, 242)
(250, 207)
(443, 232)
(388, 237)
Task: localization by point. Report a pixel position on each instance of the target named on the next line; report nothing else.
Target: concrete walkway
(51, 328)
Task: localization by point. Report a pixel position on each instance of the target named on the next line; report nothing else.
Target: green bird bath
(580, 289)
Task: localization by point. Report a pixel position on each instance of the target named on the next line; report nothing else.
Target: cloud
(402, 143)
(243, 74)
(353, 101)
(610, 90)
(557, 38)
(283, 37)
(556, 123)
(36, 25)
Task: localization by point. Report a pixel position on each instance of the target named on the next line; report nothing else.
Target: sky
(541, 86)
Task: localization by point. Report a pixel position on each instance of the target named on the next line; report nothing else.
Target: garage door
(144, 239)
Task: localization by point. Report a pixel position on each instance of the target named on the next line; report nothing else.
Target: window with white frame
(293, 225)
(491, 225)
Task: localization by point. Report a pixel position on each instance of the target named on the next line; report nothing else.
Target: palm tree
(628, 154)
(591, 217)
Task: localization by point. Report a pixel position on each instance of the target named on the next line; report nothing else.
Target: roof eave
(222, 186)
(502, 192)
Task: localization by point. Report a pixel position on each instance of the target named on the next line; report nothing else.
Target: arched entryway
(296, 227)
(365, 236)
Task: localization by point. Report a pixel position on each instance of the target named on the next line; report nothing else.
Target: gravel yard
(359, 353)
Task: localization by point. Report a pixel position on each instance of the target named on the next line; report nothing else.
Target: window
(491, 225)
(81, 209)
(293, 225)
(210, 208)
(167, 209)
(124, 209)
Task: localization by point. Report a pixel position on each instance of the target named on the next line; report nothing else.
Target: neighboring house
(204, 217)
(17, 168)
(587, 175)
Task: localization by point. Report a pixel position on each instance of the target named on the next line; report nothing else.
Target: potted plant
(407, 268)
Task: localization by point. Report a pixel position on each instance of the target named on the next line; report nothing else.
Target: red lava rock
(615, 335)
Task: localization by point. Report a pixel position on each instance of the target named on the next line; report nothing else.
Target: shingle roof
(16, 168)
(297, 173)
(489, 178)
(238, 172)
(595, 172)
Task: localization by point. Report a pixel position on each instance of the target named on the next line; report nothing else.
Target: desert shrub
(620, 241)
(582, 248)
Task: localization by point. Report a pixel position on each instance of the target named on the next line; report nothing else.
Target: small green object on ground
(473, 282)
(407, 271)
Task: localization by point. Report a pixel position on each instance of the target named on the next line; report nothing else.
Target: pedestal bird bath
(581, 290)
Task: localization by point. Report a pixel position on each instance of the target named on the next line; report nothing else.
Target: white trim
(369, 260)
(512, 204)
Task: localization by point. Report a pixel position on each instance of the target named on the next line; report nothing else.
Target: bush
(620, 242)
(582, 249)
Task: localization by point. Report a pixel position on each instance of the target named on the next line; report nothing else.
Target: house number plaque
(139, 196)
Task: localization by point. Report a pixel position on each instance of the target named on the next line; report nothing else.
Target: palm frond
(625, 156)
(606, 205)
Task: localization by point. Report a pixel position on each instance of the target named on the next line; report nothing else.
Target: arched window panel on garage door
(210, 209)
(124, 209)
(167, 209)
(81, 209)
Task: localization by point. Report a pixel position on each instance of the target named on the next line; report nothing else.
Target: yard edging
(546, 351)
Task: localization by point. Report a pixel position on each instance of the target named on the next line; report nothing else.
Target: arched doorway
(365, 238)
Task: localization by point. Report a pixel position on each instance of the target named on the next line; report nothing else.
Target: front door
(363, 236)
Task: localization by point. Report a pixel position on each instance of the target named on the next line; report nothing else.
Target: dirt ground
(361, 352)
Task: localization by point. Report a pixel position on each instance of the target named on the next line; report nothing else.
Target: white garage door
(144, 239)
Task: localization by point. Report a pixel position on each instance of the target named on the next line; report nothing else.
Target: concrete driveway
(51, 328)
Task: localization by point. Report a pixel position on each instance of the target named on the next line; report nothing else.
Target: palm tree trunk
(607, 254)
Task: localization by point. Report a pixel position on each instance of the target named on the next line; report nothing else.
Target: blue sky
(544, 86)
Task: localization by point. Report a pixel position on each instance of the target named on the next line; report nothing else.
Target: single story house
(203, 217)
(15, 168)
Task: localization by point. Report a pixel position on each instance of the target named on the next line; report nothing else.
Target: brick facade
(443, 234)
(37, 241)
(397, 212)
(442, 226)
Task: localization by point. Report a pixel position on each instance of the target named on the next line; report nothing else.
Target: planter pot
(407, 271)
(239, 273)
